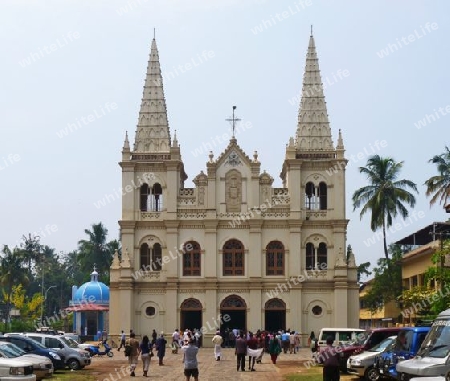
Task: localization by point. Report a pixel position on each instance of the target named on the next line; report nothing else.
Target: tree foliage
(385, 196)
(439, 186)
(387, 281)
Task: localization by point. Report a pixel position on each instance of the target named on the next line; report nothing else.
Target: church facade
(233, 251)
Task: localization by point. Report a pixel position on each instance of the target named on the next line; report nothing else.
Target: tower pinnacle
(152, 132)
(313, 128)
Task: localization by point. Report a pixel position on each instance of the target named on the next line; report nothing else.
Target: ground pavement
(113, 369)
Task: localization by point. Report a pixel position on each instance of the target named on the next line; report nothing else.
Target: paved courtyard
(111, 369)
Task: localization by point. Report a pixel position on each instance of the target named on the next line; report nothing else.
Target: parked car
(16, 370)
(30, 346)
(386, 362)
(42, 366)
(75, 358)
(341, 336)
(363, 342)
(362, 364)
(433, 359)
(76, 338)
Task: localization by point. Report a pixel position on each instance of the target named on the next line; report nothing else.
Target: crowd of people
(250, 344)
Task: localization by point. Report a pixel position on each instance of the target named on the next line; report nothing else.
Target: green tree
(12, 273)
(96, 250)
(387, 282)
(385, 196)
(439, 186)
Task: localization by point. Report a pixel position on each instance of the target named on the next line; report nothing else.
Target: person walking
(252, 345)
(190, 360)
(330, 362)
(274, 348)
(122, 341)
(217, 341)
(292, 343)
(145, 349)
(161, 348)
(240, 352)
(175, 341)
(134, 353)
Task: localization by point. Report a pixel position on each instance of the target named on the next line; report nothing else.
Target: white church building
(186, 252)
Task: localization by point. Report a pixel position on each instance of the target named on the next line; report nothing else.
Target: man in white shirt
(217, 341)
(175, 341)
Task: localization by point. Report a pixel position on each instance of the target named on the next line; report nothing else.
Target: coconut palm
(439, 186)
(385, 196)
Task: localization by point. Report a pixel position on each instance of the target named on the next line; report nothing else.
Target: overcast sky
(82, 63)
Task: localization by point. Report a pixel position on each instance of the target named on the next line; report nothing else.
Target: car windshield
(36, 343)
(69, 342)
(11, 350)
(380, 347)
(437, 341)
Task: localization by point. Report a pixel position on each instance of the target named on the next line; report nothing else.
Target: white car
(16, 370)
(42, 366)
(362, 364)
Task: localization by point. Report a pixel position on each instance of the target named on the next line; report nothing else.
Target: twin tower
(233, 251)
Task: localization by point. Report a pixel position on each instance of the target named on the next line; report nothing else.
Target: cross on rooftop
(233, 120)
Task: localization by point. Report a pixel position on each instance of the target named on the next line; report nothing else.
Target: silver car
(362, 364)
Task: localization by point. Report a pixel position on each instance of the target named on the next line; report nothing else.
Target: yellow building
(386, 316)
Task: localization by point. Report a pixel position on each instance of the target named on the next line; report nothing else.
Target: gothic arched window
(151, 198)
(233, 258)
(151, 257)
(322, 257)
(310, 256)
(310, 195)
(322, 196)
(275, 258)
(191, 258)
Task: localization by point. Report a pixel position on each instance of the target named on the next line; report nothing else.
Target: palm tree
(95, 251)
(385, 195)
(439, 186)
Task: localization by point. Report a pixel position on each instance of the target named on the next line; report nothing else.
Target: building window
(151, 258)
(233, 258)
(316, 258)
(275, 258)
(191, 259)
(322, 196)
(414, 281)
(310, 196)
(150, 311)
(317, 310)
(322, 257)
(151, 198)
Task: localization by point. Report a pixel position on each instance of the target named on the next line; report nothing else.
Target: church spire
(313, 128)
(152, 132)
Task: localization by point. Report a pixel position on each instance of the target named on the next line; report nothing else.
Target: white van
(342, 336)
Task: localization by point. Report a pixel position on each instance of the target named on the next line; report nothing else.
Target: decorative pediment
(201, 179)
(265, 179)
(233, 156)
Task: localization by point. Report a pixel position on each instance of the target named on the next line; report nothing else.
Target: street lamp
(43, 304)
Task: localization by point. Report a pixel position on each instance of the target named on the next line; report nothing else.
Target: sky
(72, 74)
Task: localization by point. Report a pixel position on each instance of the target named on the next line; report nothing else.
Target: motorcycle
(94, 350)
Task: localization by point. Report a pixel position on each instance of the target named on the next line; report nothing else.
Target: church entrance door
(191, 314)
(233, 311)
(275, 315)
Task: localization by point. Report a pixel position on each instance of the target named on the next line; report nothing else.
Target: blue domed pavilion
(90, 305)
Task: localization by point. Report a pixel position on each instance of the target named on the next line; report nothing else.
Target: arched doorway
(275, 315)
(233, 311)
(191, 314)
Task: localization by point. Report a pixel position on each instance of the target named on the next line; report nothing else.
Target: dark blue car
(31, 346)
(409, 340)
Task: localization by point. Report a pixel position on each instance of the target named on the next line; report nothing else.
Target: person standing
(190, 360)
(240, 352)
(122, 341)
(134, 353)
(252, 344)
(330, 362)
(161, 347)
(292, 343)
(274, 348)
(154, 337)
(217, 341)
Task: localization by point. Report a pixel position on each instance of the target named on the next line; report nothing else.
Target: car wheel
(110, 354)
(73, 364)
(371, 374)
